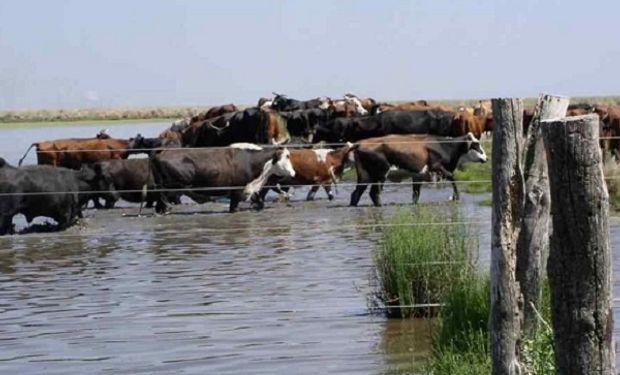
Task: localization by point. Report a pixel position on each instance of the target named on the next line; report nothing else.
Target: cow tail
(26, 153)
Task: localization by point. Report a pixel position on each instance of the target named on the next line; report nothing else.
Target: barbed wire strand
(263, 146)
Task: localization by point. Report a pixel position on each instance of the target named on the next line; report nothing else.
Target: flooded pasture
(203, 291)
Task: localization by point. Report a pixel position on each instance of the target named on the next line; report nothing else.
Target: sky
(122, 53)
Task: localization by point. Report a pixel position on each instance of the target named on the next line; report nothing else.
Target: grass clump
(420, 258)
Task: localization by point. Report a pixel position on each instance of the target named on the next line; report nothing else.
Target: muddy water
(202, 291)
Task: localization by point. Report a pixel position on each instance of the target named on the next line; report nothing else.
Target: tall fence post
(579, 265)
(534, 234)
(508, 187)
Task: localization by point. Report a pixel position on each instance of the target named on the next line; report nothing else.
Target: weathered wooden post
(579, 263)
(508, 186)
(534, 233)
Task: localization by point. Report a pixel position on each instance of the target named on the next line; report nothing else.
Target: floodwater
(201, 291)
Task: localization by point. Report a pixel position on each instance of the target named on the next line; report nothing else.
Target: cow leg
(6, 225)
(312, 192)
(328, 190)
(357, 194)
(375, 193)
(163, 205)
(258, 203)
(415, 196)
(97, 204)
(235, 197)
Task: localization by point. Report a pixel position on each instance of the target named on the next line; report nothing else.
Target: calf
(418, 154)
(316, 167)
(42, 190)
(238, 172)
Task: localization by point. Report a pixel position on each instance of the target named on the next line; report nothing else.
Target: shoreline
(80, 122)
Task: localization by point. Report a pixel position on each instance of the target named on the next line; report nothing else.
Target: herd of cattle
(240, 154)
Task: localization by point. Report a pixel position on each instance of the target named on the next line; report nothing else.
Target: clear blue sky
(64, 54)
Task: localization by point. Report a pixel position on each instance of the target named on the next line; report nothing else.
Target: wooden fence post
(534, 232)
(508, 187)
(579, 263)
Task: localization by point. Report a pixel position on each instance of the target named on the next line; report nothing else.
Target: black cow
(352, 129)
(419, 155)
(301, 124)
(131, 181)
(252, 125)
(238, 172)
(42, 190)
(142, 145)
(285, 104)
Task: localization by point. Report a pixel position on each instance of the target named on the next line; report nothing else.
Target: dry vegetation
(148, 113)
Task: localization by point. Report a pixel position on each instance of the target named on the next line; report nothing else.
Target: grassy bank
(413, 266)
(97, 114)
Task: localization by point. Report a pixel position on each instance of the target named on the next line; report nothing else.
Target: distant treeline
(147, 113)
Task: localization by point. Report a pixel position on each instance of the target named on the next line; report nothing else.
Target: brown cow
(465, 122)
(72, 153)
(609, 128)
(214, 112)
(316, 167)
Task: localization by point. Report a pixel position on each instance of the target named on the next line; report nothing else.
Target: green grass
(611, 170)
(416, 264)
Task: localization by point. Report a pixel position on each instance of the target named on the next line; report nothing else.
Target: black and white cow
(285, 104)
(42, 190)
(238, 172)
(419, 155)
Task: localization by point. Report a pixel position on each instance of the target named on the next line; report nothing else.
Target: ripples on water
(203, 291)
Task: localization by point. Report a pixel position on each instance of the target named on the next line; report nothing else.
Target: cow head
(279, 102)
(281, 164)
(475, 153)
(354, 101)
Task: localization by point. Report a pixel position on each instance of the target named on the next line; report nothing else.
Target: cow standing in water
(316, 167)
(238, 172)
(43, 190)
(418, 155)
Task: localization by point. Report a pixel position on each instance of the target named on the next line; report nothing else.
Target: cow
(366, 103)
(419, 155)
(418, 105)
(140, 144)
(609, 117)
(393, 122)
(214, 112)
(316, 167)
(285, 104)
(129, 180)
(252, 125)
(43, 190)
(239, 172)
(301, 124)
(72, 153)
